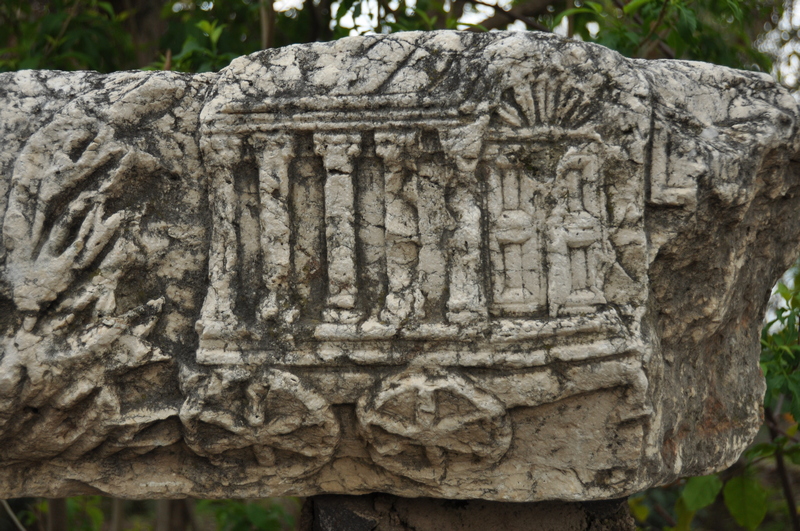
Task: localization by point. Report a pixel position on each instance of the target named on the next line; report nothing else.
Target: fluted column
(217, 317)
(404, 299)
(338, 152)
(467, 300)
(274, 153)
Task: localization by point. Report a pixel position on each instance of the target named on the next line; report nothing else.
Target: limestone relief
(415, 423)
(439, 264)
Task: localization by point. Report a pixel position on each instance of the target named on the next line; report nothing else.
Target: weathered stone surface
(502, 266)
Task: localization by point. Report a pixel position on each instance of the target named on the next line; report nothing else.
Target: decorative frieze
(502, 266)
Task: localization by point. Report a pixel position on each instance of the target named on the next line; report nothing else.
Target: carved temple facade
(367, 230)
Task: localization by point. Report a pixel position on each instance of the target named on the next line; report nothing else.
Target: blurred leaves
(198, 53)
(63, 35)
(203, 35)
(237, 515)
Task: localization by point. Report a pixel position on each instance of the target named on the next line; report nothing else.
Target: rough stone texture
(502, 266)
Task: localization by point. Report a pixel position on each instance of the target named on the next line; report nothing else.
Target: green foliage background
(197, 35)
(205, 35)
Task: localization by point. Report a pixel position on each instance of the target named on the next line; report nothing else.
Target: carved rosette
(271, 417)
(423, 426)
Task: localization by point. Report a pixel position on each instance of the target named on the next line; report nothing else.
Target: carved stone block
(502, 266)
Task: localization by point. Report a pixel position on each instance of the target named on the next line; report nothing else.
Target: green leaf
(189, 47)
(257, 515)
(793, 391)
(793, 453)
(262, 518)
(760, 450)
(107, 7)
(429, 22)
(598, 8)
(735, 8)
(634, 6)
(746, 500)
(344, 7)
(96, 515)
(570, 12)
(214, 35)
(205, 26)
(687, 24)
(701, 491)
(30, 62)
(784, 291)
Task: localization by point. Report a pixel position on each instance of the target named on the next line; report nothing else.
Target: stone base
(382, 512)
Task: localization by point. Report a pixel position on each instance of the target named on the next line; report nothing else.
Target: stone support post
(404, 300)
(274, 154)
(338, 152)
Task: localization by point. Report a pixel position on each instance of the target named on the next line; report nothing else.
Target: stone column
(338, 152)
(467, 301)
(433, 219)
(217, 316)
(274, 153)
(404, 299)
(515, 245)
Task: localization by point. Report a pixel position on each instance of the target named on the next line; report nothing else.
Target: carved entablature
(451, 264)
(339, 225)
(421, 231)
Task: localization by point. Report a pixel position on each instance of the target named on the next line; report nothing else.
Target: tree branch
(457, 8)
(266, 13)
(12, 515)
(786, 482)
(666, 50)
(656, 25)
(774, 426)
(525, 12)
(320, 19)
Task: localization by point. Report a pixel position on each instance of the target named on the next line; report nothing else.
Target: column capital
(393, 147)
(337, 150)
(464, 144)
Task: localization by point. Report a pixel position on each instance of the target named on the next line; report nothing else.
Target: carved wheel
(289, 428)
(427, 427)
